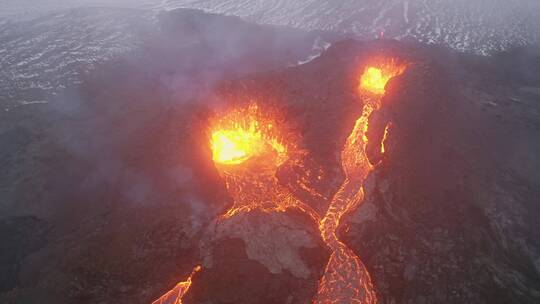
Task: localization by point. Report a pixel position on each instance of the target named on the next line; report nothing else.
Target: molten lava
(174, 296)
(235, 146)
(385, 136)
(375, 78)
(248, 147)
(346, 280)
(242, 134)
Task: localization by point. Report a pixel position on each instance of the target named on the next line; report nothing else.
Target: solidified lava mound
(260, 257)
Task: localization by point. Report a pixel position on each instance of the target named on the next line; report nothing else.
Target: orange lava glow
(242, 134)
(174, 296)
(374, 78)
(254, 149)
(385, 136)
(346, 280)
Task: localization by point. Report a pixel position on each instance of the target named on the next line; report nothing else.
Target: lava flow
(248, 148)
(346, 279)
(174, 296)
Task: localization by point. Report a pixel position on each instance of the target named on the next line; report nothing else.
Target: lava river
(247, 150)
(346, 280)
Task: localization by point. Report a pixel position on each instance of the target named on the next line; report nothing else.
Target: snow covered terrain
(481, 26)
(45, 54)
(45, 45)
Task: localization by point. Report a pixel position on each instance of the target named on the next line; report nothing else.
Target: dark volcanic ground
(107, 191)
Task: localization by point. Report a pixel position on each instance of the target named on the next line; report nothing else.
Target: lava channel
(346, 280)
(174, 296)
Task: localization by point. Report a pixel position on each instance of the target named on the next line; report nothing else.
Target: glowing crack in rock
(174, 296)
(385, 136)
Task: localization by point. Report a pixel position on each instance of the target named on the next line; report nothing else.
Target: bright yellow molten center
(373, 80)
(236, 145)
